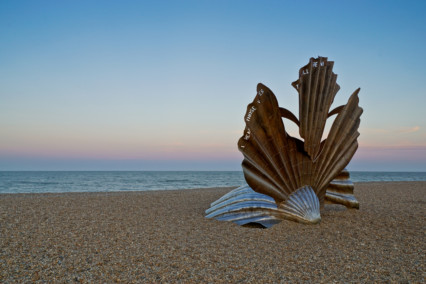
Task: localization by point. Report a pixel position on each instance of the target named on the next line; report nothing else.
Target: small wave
(38, 182)
(175, 180)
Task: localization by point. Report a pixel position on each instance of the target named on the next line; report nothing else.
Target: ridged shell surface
(245, 206)
(302, 206)
(273, 163)
(277, 164)
(295, 174)
(341, 191)
(317, 88)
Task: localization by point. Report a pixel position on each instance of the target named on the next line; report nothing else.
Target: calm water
(31, 182)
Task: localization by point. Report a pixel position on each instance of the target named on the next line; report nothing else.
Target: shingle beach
(162, 236)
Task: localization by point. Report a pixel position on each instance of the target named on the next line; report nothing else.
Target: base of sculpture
(244, 206)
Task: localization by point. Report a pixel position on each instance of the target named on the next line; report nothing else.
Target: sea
(113, 181)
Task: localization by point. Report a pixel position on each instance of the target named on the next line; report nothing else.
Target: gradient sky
(164, 85)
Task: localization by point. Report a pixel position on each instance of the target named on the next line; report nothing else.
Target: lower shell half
(244, 206)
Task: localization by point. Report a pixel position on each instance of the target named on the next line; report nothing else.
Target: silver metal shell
(244, 206)
(302, 206)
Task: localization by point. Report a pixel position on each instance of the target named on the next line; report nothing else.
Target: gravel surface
(163, 236)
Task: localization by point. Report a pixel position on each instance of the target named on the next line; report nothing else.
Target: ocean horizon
(113, 181)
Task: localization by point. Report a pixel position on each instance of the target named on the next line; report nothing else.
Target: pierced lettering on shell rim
(251, 111)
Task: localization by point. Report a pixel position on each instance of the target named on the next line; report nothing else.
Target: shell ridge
(315, 98)
(338, 154)
(262, 166)
(232, 193)
(341, 164)
(269, 102)
(295, 202)
(285, 144)
(308, 95)
(336, 131)
(342, 151)
(242, 207)
(237, 199)
(306, 197)
(287, 163)
(317, 107)
(262, 185)
(310, 211)
(239, 216)
(340, 191)
(338, 148)
(338, 164)
(292, 205)
(257, 158)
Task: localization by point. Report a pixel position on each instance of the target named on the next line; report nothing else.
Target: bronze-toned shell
(279, 165)
(341, 191)
(317, 88)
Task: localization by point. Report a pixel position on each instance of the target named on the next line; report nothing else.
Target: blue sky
(164, 85)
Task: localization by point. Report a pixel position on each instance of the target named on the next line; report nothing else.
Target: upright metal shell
(317, 88)
(296, 174)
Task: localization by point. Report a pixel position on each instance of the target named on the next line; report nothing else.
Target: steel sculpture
(289, 178)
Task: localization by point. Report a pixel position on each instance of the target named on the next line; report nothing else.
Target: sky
(164, 85)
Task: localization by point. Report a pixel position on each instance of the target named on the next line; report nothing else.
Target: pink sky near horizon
(370, 152)
(164, 83)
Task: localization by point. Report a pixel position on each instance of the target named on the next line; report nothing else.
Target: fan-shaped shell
(273, 161)
(244, 206)
(277, 164)
(296, 174)
(317, 88)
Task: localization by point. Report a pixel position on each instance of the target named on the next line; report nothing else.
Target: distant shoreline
(100, 181)
(182, 189)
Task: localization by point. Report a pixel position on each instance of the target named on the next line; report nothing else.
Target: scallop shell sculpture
(288, 178)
